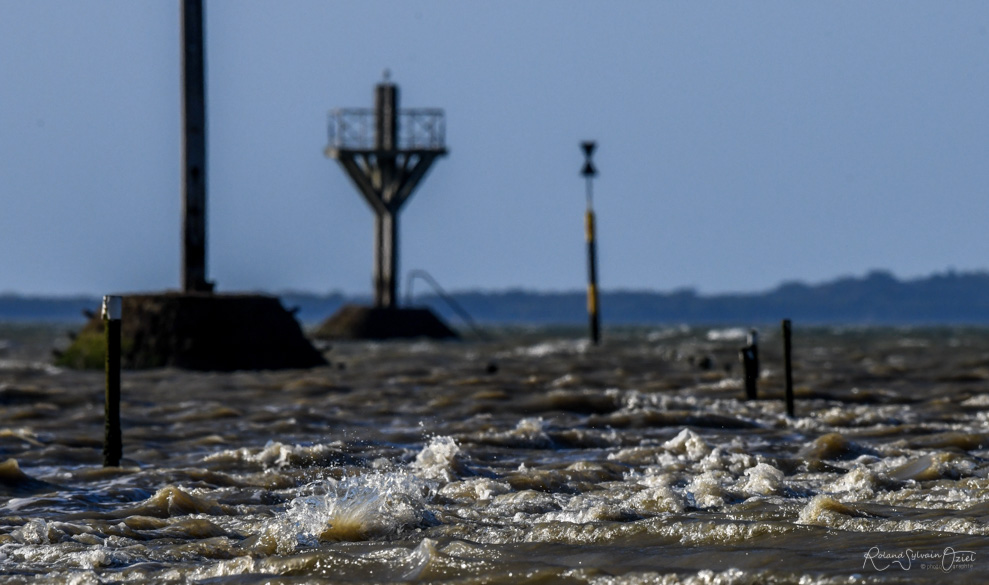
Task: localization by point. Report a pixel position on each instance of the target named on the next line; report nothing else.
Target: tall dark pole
(750, 364)
(112, 442)
(592, 272)
(194, 149)
(788, 367)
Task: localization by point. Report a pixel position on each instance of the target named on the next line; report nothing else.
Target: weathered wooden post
(787, 361)
(112, 443)
(750, 363)
(592, 272)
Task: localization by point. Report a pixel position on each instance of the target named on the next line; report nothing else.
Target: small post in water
(592, 273)
(788, 367)
(112, 444)
(750, 363)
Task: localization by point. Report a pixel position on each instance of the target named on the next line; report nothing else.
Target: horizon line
(871, 273)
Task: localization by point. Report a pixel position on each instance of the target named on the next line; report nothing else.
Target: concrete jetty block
(361, 322)
(199, 331)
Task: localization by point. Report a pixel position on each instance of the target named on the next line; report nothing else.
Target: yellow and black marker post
(592, 273)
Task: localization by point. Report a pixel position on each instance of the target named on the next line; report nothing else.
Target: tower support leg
(385, 260)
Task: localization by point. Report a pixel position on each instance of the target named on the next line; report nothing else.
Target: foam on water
(29, 366)
(667, 333)
(707, 489)
(729, 334)
(359, 507)
(762, 480)
(557, 347)
(440, 459)
(481, 489)
(689, 444)
(371, 503)
(658, 498)
(585, 508)
(622, 464)
(727, 577)
(528, 432)
(279, 455)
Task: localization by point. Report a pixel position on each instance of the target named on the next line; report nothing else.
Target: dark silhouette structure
(206, 332)
(589, 172)
(386, 152)
(194, 149)
(195, 328)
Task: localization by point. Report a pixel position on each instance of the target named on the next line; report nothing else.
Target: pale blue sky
(741, 144)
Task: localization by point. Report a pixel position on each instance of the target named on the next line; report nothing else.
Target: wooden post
(112, 444)
(750, 364)
(588, 171)
(787, 360)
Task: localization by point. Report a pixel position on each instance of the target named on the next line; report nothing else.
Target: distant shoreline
(878, 298)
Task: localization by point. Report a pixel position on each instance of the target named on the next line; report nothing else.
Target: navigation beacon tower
(387, 152)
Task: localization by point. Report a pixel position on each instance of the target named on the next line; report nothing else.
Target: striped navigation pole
(592, 273)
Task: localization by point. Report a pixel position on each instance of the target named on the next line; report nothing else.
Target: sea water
(534, 457)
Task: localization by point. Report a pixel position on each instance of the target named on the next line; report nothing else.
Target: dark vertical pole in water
(750, 363)
(194, 149)
(788, 369)
(112, 442)
(592, 272)
(592, 275)
(386, 216)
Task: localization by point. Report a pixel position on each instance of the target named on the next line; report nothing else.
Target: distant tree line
(878, 298)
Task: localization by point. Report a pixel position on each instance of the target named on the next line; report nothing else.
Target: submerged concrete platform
(380, 323)
(199, 331)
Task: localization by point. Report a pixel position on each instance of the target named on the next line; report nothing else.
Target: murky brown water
(533, 458)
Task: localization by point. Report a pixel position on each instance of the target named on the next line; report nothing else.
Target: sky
(740, 144)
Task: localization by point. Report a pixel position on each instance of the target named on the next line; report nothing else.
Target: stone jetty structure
(197, 328)
(386, 152)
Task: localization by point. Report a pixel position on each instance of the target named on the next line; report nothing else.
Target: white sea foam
(689, 444)
(763, 480)
(667, 333)
(859, 480)
(440, 459)
(528, 431)
(729, 334)
(358, 507)
(29, 366)
(708, 577)
(584, 508)
(558, 347)
(381, 502)
(977, 401)
(707, 490)
(658, 497)
(36, 531)
(481, 489)
(278, 455)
